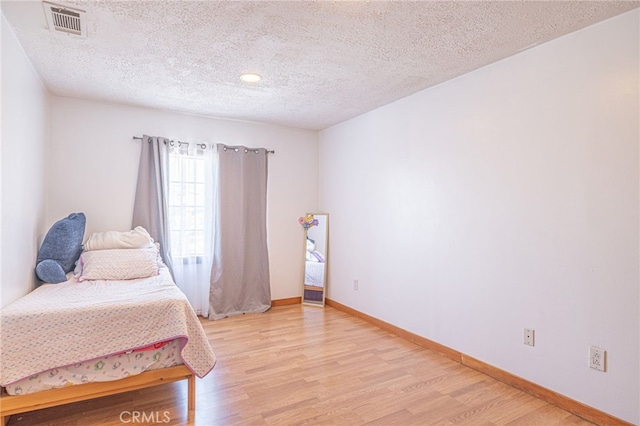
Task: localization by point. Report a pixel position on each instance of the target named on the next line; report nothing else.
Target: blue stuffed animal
(61, 249)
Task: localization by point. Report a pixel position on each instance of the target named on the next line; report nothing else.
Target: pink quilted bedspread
(62, 324)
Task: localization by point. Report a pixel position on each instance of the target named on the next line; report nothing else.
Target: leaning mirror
(316, 245)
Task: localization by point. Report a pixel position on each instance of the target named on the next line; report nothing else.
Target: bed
(59, 330)
(314, 267)
(314, 273)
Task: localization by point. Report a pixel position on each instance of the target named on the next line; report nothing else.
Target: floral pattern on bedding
(114, 367)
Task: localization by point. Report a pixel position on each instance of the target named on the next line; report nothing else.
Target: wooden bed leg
(191, 398)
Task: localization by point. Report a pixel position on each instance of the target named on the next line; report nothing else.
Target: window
(190, 206)
(187, 203)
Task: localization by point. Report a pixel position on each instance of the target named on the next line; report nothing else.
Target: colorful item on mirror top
(307, 221)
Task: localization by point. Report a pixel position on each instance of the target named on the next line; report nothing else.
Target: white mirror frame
(316, 272)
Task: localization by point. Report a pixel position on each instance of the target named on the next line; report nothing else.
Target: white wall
(506, 198)
(22, 154)
(94, 163)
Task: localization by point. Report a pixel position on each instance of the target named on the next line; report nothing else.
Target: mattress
(314, 273)
(103, 369)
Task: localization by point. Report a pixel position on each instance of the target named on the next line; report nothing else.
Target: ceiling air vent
(65, 19)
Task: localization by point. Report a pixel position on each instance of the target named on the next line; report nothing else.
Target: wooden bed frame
(15, 404)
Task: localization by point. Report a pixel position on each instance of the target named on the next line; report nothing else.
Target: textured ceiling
(322, 62)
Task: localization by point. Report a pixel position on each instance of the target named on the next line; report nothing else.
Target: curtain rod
(201, 145)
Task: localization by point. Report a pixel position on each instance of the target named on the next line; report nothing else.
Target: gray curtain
(240, 273)
(150, 206)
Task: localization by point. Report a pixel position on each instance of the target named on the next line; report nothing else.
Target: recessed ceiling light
(250, 77)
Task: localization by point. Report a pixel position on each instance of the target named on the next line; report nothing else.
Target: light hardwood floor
(298, 365)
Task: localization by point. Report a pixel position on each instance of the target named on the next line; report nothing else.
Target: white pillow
(136, 238)
(311, 246)
(118, 264)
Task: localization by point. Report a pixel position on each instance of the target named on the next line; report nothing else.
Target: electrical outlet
(529, 334)
(355, 284)
(597, 358)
